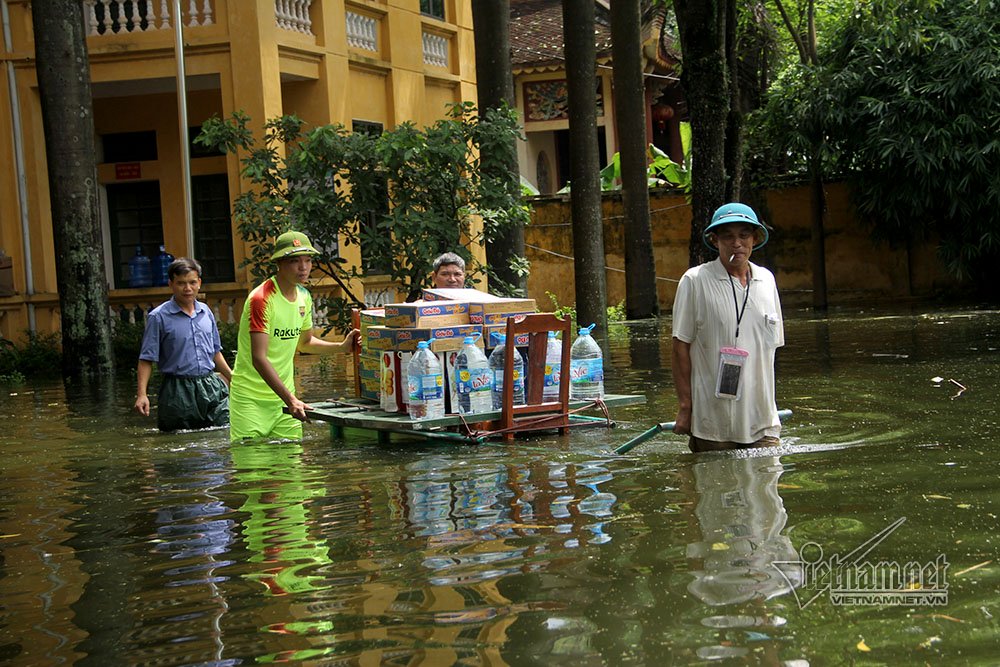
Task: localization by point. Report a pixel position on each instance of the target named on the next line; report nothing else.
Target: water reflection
(735, 563)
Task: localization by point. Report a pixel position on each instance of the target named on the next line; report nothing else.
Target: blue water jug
(160, 265)
(139, 269)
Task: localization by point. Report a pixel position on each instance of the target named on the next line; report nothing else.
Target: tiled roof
(536, 32)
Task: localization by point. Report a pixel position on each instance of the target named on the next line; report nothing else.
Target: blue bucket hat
(734, 212)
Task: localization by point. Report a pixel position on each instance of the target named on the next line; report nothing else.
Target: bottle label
(425, 387)
(552, 372)
(586, 370)
(498, 381)
(472, 380)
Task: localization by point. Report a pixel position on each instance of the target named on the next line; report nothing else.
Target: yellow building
(366, 64)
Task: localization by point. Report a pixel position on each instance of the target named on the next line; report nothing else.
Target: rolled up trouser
(256, 418)
(189, 402)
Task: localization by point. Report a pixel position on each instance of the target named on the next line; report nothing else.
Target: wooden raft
(505, 423)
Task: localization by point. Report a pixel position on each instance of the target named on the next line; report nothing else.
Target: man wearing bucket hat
(726, 326)
(275, 324)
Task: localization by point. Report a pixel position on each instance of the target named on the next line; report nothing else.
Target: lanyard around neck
(736, 304)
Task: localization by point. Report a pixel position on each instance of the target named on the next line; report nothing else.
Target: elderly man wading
(726, 326)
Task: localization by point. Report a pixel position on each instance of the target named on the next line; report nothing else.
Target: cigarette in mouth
(732, 256)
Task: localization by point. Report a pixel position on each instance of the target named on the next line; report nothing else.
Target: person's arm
(315, 345)
(258, 353)
(222, 367)
(682, 385)
(143, 372)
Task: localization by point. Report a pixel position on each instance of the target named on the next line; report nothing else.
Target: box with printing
(420, 314)
(445, 338)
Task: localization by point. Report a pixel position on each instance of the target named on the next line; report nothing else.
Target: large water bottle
(553, 368)
(586, 368)
(425, 384)
(497, 359)
(160, 265)
(473, 379)
(140, 273)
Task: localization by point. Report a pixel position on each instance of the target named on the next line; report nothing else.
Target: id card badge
(729, 383)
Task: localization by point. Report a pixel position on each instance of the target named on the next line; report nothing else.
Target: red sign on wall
(127, 170)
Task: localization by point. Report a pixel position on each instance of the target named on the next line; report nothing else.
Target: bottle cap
(585, 331)
(552, 334)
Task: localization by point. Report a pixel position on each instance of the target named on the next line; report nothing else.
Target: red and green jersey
(268, 311)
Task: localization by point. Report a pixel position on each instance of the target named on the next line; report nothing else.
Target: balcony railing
(293, 15)
(362, 31)
(435, 50)
(116, 16)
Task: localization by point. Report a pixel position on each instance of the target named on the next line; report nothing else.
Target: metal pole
(183, 122)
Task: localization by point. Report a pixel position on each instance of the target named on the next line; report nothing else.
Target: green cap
(292, 243)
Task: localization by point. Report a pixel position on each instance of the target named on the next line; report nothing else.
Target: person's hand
(298, 409)
(142, 405)
(682, 425)
(350, 341)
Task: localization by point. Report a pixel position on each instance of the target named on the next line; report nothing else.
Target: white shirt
(704, 316)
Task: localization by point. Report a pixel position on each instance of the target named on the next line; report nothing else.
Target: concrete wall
(857, 268)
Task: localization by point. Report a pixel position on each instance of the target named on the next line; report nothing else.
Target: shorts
(187, 402)
(256, 418)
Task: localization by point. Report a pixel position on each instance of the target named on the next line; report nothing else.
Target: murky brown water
(120, 545)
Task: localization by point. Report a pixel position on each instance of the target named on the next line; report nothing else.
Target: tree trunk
(585, 185)
(63, 70)
(701, 24)
(818, 233)
(630, 116)
(734, 120)
(495, 85)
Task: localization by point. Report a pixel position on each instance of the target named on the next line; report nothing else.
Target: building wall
(243, 60)
(857, 268)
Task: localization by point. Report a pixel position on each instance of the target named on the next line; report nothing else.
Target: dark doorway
(135, 219)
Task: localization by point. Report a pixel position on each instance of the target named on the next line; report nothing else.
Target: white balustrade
(362, 31)
(435, 50)
(293, 15)
(104, 17)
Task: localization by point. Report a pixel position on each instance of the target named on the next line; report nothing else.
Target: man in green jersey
(275, 324)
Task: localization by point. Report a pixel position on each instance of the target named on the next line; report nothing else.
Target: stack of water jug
(144, 272)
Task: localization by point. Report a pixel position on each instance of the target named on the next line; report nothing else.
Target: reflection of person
(449, 271)
(276, 322)
(182, 338)
(726, 326)
(741, 516)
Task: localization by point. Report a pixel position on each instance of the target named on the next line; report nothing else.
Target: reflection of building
(368, 65)
(540, 88)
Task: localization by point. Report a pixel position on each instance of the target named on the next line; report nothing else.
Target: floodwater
(123, 546)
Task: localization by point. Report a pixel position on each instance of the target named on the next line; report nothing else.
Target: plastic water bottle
(553, 368)
(425, 383)
(586, 368)
(160, 265)
(473, 379)
(140, 273)
(497, 358)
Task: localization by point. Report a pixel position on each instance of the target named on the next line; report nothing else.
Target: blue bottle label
(586, 370)
(425, 387)
(471, 380)
(552, 372)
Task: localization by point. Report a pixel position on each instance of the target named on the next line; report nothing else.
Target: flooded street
(123, 546)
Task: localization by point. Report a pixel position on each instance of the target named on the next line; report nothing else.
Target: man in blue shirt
(182, 338)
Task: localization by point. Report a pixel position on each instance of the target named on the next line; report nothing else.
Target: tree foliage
(404, 196)
(907, 99)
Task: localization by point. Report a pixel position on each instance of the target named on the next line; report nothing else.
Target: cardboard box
(393, 381)
(374, 316)
(493, 334)
(421, 315)
(378, 338)
(477, 315)
(465, 294)
(446, 338)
